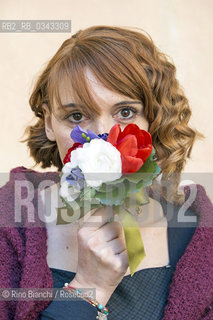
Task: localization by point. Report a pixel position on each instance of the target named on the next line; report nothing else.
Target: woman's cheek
(64, 143)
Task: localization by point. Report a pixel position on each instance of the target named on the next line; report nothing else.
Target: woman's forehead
(100, 93)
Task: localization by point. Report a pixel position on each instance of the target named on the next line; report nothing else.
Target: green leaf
(105, 187)
(87, 193)
(68, 215)
(114, 195)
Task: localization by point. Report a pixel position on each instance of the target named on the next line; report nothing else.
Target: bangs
(67, 79)
(112, 64)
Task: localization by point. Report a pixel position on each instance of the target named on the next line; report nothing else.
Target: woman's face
(114, 108)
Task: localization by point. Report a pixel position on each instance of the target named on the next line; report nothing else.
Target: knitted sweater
(23, 252)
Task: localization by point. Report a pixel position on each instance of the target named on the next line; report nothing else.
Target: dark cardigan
(23, 252)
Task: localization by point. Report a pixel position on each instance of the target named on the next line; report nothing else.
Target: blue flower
(103, 136)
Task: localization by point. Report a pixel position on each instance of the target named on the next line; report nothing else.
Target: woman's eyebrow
(69, 105)
(127, 102)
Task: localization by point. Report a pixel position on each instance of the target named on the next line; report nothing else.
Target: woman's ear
(48, 123)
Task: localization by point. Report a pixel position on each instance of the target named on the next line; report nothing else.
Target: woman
(99, 77)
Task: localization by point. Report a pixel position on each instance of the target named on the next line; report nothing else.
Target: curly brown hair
(126, 61)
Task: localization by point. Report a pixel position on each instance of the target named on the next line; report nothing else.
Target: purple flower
(76, 178)
(76, 135)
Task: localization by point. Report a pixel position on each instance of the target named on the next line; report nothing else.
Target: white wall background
(180, 28)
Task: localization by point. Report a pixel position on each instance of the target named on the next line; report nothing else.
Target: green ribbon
(134, 243)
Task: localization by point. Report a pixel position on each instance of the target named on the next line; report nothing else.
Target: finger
(114, 247)
(117, 245)
(122, 262)
(110, 231)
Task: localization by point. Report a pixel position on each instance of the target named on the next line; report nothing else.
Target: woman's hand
(102, 255)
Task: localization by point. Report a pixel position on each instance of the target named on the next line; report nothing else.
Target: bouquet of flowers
(110, 169)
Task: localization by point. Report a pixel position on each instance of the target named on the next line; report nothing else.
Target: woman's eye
(127, 113)
(76, 117)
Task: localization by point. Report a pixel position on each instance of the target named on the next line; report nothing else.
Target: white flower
(68, 192)
(99, 161)
(68, 167)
